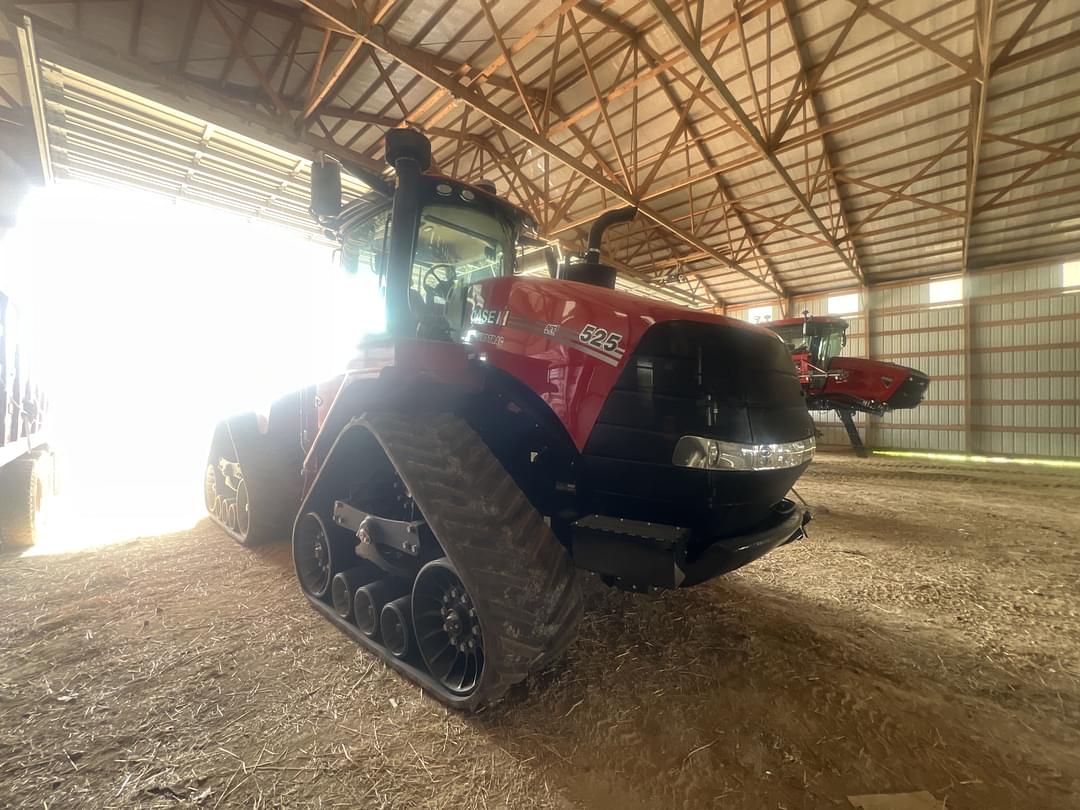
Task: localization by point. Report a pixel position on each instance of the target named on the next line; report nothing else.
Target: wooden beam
(980, 56)
(1065, 154)
(485, 74)
(230, 60)
(747, 129)
(194, 14)
(1018, 34)
(518, 85)
(917, 36)
(1065, 42)
(316, 69)
(330, 86)
(275, 99)
(808, 79)
(612, 137)
(898, 195)
(1028, 172)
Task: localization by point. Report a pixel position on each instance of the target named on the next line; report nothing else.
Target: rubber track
(520, 577)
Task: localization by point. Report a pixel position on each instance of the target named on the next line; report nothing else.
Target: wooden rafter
(230, 60)
(509, 62)
(333, 81)
(253, 66)
(425, 66)
(194, 15)
(981, 57)
(807, 80)
(1024, 175)
(912, 33)
(747, 129)
(613, 139)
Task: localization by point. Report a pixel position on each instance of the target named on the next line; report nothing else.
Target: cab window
(455, 247)
(363, 246)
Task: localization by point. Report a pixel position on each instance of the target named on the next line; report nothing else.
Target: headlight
(713, 454)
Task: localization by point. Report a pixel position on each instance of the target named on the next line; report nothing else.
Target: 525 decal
(592, 335)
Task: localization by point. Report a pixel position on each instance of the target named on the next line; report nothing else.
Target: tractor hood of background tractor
(874, 384)
(626, 374)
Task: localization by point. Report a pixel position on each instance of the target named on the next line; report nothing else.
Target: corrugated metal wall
(1025, 361)
(1004, 364)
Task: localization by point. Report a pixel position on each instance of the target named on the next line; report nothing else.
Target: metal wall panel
(1022, 365)
(1026, 358)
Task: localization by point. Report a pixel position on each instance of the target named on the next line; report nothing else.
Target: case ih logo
(485, 317)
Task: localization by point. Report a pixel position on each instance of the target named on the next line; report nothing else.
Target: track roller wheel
(395, 624)
(369, 600)
(343, 589)
(228, 513)
(243, 511)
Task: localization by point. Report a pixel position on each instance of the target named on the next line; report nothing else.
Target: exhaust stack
(592, 270)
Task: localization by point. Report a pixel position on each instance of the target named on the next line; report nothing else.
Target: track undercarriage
(414, 541)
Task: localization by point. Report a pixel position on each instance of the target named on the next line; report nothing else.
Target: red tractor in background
(846, 384)
(504, 431)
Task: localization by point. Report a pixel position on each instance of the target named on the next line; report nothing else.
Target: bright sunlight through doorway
(152, 319)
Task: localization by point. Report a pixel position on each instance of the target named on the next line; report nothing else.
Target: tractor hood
(633, 314)
(659, 369)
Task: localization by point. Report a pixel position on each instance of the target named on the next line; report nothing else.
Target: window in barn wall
(1070, 274)
(946, 291)
(843, 304)
(759, 314)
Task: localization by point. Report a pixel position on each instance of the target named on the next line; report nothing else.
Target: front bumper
(641, 556)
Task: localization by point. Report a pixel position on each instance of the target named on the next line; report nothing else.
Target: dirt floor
(926, 637)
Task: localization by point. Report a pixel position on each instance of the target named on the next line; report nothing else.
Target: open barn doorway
(152, 319)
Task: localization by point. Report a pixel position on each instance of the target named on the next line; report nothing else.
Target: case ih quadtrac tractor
(504, 431)
(846, 384)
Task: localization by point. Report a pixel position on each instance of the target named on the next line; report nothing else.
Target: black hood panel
(702, 379)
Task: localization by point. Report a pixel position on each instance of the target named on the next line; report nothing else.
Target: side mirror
(806, 323)
(843, 339)
(325, 189)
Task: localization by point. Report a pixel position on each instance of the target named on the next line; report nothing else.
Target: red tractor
(846, 384)
(504, 431)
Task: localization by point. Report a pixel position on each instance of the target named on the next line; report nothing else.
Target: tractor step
(631, 554)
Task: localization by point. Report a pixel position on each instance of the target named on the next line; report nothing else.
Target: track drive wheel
(448, 631)
(507, 581)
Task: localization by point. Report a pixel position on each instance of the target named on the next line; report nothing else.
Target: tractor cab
(813, 343)
(429, 241)
(833, 381)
